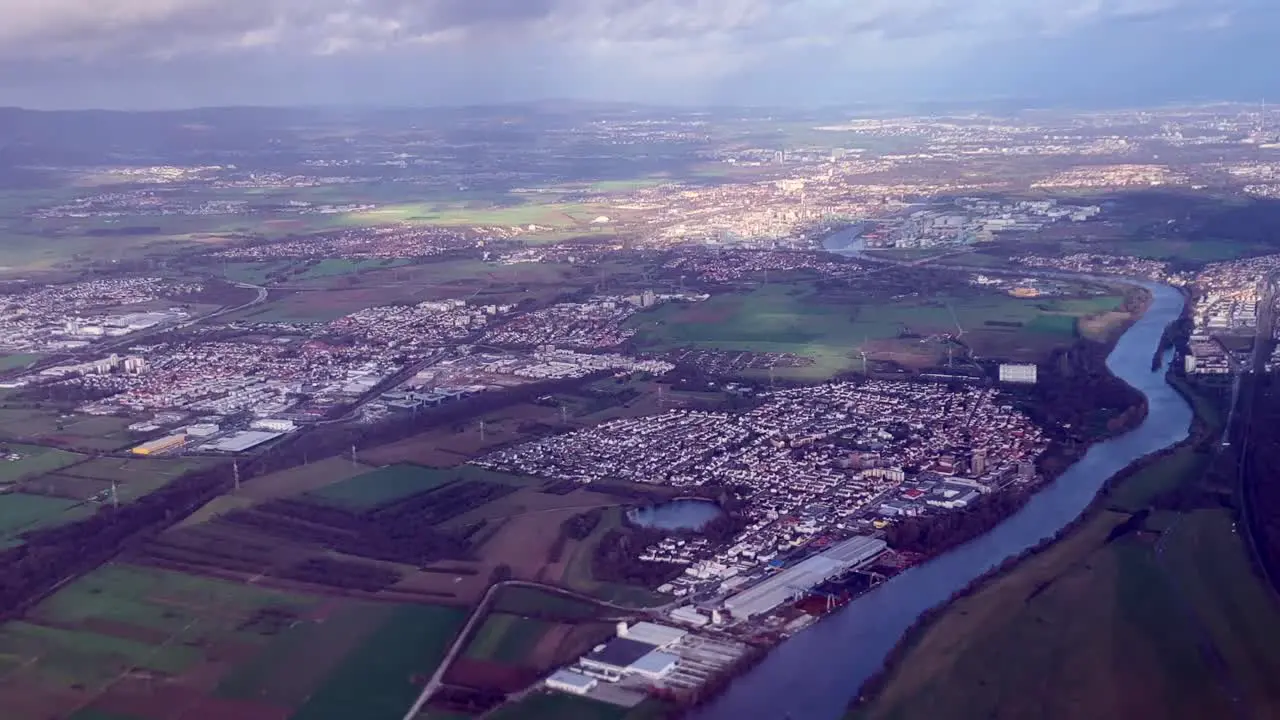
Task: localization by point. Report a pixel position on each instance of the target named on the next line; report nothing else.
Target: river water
(813, 675)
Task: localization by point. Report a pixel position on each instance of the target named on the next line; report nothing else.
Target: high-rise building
(1026, 470)
(978, 464)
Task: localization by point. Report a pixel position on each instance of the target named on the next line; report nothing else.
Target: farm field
(139, 642)
(303, 478)
(506, 638)
(92, 433)
(256, 273)
(510, 653)
(795, 318)
(21, 513)
(555, 215)
(381, 486)
(32, 460)
(525, 601)
(397, 533)
(134, 477)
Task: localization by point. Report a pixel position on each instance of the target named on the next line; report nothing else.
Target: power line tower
(115, 496)
(354, 461)
(235, 473)
(482, 432)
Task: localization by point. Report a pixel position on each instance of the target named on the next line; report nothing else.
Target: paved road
(477, 617)
(261, 298)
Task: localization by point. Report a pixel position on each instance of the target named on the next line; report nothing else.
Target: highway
(261, 298)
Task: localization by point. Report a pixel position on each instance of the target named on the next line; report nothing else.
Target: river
(814, 674)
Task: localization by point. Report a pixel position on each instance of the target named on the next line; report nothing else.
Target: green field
(382, 486)
(121, 617)
(299, 660)
(795, 318)
(578, 576)
(250, 646)
(1206, 558)
(255, 273)
(1169, 622)
(135, 477)
(1136, 492)
(521, 601)
(87, 432)
(1200, 251)
(20, 513)
(555, 215)
(15, 362)
(159, 600)
(380, 679)
(505, 638)
(32, 460)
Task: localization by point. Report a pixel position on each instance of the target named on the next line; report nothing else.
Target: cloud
(649, 46)
(85, 28)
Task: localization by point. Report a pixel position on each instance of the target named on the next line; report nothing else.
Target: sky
(144, 54)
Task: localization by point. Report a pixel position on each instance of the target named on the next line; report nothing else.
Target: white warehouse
(809, 573)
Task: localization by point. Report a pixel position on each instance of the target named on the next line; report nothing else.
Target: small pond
(676, 515)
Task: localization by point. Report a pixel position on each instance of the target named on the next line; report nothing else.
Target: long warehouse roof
(809, 573)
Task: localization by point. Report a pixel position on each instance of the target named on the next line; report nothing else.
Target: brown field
(527, 524)
(908, 353)
(445, 587)
(215, 507)
(525, 541)
(490, 675)
(565, 643)
(1104, 327)
(145, 700)
(301, 479)
(449, 446)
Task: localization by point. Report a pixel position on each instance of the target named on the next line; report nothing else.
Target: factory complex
(796, 581)
(643, 657)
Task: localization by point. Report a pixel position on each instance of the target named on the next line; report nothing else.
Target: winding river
(814, 674)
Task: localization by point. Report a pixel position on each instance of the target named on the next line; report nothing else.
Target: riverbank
(1146, 607)
(1032, 572)
(813, 674)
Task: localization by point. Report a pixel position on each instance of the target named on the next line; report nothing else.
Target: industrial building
(571, 682)
(202, 430)
(1021, 374)
(160, 445)
(242, 441)
(273, 425)
(804, 576)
